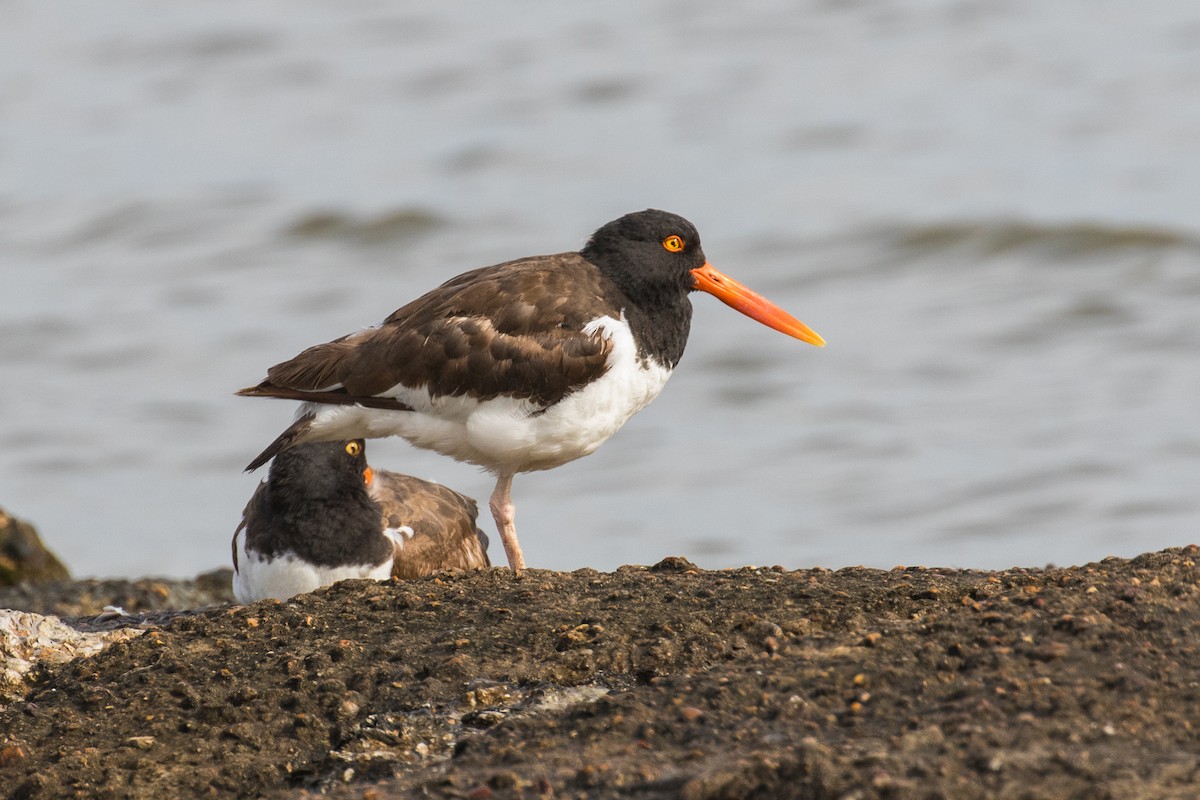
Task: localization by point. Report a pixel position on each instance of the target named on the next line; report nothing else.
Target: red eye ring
(673, 244)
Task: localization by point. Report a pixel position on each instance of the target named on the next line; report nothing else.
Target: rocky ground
(656, 682)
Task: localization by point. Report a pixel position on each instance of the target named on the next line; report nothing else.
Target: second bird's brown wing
(444, 533)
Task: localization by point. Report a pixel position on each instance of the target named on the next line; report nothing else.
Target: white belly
(286, 576)
(508, 434)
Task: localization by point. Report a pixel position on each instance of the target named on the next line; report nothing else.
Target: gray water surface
(987, 209)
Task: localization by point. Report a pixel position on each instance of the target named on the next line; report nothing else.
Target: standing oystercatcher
(524, 365)
(323, 515)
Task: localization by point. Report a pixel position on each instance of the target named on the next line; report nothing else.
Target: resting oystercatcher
(323, 516)
(524, 365)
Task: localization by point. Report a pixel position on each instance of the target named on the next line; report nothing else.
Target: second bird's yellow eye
(353, 448)
(673, 244)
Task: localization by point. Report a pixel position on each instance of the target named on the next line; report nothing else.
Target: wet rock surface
(647, 682)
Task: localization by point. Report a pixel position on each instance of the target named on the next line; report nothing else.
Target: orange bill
(752, 304)
(368, 476)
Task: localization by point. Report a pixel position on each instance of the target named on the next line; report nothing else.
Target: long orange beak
(752, 304)
(368, 476)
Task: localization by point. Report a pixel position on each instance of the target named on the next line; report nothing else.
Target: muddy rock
(27, 639)
(23, 556)
(665, 682)
(97, 613)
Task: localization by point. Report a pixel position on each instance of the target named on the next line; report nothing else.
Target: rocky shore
(648, 682)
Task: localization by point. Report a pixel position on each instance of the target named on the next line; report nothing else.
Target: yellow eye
(353, 448)
(673, 244)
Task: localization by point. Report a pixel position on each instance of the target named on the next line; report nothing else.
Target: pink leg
(504, 512)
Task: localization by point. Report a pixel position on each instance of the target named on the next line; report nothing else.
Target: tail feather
(300, 429)
(296, 433)
(332, 397)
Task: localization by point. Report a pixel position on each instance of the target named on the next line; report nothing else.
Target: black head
(320, 471)
(655, 258)
(316, 506)
(650, 254)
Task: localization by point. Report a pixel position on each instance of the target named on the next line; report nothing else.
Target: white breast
(577, 425)
(285, 576)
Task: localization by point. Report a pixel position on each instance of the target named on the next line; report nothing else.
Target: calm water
(988, 210)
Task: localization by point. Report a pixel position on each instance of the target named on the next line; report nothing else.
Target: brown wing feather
(443, 522)
(317, 367)
(512, 329)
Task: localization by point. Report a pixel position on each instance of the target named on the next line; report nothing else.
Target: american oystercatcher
(322, 516)
(524, 365)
